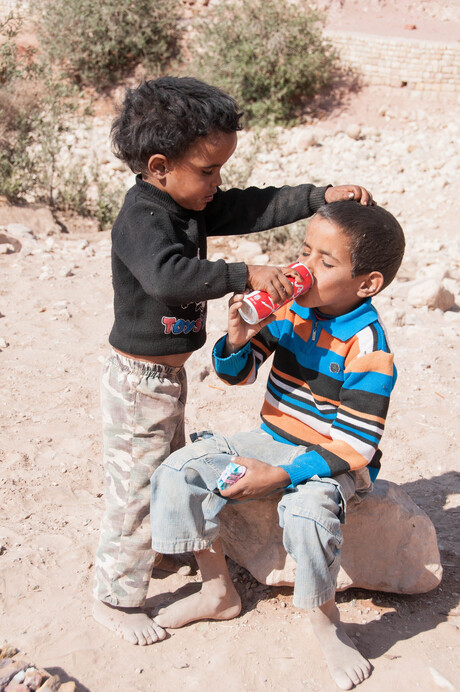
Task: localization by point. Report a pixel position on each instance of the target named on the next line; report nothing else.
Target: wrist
(231, 347)
(280, 477)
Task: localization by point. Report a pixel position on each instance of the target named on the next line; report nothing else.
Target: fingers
(349, 192)
(361, 195)
(281, 288)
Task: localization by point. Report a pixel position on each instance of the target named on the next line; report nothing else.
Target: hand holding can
(258, 305)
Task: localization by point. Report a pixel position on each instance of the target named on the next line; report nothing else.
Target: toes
(158, 631)
(129, 636)
(147, 637)
(356, 676)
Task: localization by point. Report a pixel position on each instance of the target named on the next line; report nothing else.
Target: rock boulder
(389, 543)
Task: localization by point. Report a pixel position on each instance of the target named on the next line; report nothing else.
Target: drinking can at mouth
(258, 305)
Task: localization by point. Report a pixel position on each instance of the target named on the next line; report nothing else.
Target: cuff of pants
(310, 602)
(183, 546)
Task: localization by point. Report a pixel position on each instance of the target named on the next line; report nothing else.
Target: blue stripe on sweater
(279, 394)
(375, 382)
(357, 432)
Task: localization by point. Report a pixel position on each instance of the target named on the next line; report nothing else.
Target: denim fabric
(185, 507)
(143, 422)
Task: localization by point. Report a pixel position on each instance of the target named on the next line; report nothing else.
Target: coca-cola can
(258, 305)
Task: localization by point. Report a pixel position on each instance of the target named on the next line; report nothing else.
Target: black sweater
(161, 277)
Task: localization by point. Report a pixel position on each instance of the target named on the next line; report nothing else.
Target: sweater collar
(342, 327)
(157, 195)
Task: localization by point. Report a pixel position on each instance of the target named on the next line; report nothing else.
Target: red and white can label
(258, 305)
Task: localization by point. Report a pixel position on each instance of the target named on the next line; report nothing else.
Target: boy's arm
(237, 212)
(359, 422)
(148, 246)
(238, 355)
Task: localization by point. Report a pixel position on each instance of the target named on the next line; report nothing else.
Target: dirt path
(55, 314)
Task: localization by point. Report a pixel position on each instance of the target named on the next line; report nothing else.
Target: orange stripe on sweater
(260, 346)
(291, 425)
(330, 343)
(378, 361)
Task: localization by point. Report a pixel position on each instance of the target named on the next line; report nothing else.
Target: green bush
(34, 108)
(268, 54)
(96, 42)
(37, 111)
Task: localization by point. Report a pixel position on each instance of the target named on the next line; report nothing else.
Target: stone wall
(424, 67)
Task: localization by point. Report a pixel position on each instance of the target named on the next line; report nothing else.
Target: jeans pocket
(214, 441)
(204, 444)
(329, 524)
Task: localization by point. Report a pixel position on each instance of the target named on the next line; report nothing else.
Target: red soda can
(258, 305)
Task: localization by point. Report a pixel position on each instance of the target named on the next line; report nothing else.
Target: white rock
(304, 139)
(6, 249)
(435, 271)
(19, 229)
(261, 259)
(440, 680)
(247, 249)
(389, 543)
(430, 292)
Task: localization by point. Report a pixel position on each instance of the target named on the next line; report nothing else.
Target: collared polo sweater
(328, 389)
(160, 274)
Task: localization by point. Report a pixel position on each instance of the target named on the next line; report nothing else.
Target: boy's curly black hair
(376, 238)
(166, 115)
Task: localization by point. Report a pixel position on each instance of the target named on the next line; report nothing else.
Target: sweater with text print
(328, 388)
(161, 277)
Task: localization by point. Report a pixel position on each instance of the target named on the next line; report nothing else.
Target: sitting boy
(322, 419)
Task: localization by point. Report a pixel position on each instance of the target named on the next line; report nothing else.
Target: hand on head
(344, 192)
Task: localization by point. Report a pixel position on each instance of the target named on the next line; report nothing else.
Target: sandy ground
(55, 315)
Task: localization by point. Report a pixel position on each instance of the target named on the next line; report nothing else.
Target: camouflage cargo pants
(143, 422)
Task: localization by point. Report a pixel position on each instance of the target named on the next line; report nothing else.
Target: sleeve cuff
(232, 364)
(317, 197)
(237, 276)
(306, 466)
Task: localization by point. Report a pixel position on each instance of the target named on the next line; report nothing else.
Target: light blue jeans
(185, 506)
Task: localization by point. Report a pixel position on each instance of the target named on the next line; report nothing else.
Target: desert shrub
(268, 54)
(96, 42)
(37, 114)
(34, 107)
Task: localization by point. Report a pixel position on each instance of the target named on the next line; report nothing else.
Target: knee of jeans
(307, 536)
(319, 506)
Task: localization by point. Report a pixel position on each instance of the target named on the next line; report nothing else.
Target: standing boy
(176, 134)
(323, 415)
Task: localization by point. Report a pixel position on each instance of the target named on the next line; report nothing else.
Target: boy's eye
(207, 172)
(329, 266)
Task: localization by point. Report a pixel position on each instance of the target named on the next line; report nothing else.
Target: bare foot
(201, 606)
(132, 624)
(346, 665)
(178, 564)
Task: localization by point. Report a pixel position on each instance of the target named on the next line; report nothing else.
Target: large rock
(35, 217)
(389, 543)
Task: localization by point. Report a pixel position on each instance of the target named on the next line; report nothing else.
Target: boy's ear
(158, 166)
(370, 285)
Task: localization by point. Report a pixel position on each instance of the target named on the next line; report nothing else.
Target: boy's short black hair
(376, 239)
(166, 115)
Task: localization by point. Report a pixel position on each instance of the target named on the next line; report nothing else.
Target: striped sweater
(328, 389)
